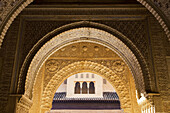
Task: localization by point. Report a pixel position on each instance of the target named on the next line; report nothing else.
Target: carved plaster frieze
(157, 16)
(117, 66)
(164, 5)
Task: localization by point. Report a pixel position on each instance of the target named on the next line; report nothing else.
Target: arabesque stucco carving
(75, 34)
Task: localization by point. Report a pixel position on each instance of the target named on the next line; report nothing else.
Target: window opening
(76, 76)
(65, 81)
(87, 75)
(84, 88)
(91, 88)
(92, 75)
(104, 81)
(77, 88)
(81, 75)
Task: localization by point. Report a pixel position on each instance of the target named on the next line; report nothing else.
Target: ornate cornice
(11, 8)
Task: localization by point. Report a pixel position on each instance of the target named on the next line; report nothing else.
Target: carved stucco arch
(22, 5)
(96, 36)
(87, 66)
(75, 25)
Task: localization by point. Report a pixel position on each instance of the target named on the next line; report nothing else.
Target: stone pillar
(88, 87)
(24, 105)
(81, 87)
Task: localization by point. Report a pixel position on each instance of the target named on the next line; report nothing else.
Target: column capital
(24, 105)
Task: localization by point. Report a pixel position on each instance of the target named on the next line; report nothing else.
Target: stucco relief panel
(84, 51)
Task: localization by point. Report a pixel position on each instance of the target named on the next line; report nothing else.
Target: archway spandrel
(64, 56)
(86, 65)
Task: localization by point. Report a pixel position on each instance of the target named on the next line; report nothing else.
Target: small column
(142, 110)
(88, 87)
(81, 87)
(149, 109)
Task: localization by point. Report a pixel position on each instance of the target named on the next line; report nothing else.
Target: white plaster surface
(82, 77)
(62, 88)
(108, 87)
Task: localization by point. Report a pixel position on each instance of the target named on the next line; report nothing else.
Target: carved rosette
(119, 67)
(52, 65)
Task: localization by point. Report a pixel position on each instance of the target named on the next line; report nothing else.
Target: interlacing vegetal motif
(52, 66)
(164, 5)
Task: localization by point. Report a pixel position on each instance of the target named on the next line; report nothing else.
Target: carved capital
(24, 105)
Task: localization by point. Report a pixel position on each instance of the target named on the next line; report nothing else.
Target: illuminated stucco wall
(64, 87)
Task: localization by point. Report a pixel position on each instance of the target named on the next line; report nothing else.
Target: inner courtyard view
(83, 92)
